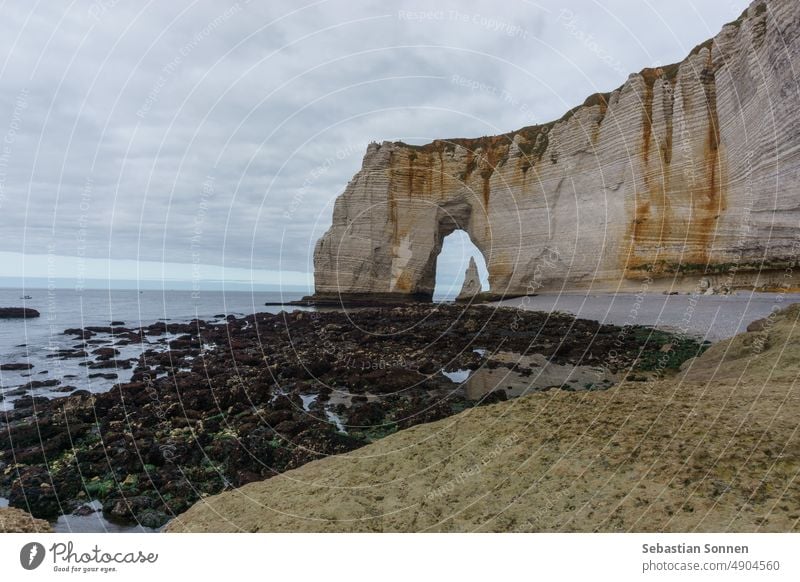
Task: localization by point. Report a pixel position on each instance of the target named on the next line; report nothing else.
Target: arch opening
(451, 265)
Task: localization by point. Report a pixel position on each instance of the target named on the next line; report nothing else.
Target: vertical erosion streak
(649, 203)
(392, 206)
(666, 152)
(711, 201)
(647, 121)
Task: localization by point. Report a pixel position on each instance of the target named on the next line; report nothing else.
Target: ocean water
(33, 340)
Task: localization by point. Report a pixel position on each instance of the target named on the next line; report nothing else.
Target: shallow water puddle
(308, 400)
(95, 523)
(91, 523)
(336, 420)
(457, 376)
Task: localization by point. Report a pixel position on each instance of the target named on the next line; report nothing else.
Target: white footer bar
(388, 557)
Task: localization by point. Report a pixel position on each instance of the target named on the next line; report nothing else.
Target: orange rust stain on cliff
(441, 175)
(410, 186)
(652, 222)
(654, 234)
(649, 76)
(500, 271)
(666, 150)
(640, 217)
(486, 191)
(490, 158)
(392, 205)
(469, 166)
(403, 282)
(710, 202)
(602, 103)
(427, 179)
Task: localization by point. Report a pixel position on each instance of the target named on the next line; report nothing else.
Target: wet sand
(711, 317)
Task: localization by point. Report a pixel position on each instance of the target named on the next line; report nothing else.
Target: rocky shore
(712, 449)
(239, 400)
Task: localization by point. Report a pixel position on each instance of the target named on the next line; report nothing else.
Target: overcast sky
(216, 133)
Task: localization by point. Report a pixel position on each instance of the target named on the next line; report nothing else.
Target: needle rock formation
(472, 282)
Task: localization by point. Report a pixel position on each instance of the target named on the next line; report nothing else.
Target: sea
(31, 341)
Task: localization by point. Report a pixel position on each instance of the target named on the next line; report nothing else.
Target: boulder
(18, 313)
(16, 366)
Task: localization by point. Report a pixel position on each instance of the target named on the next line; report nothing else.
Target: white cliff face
(686, 171)
(472, 282)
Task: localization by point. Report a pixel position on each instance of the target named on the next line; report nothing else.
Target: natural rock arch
(389, 227)
(669, 178)
(451, 217)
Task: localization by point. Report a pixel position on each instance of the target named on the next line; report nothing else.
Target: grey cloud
(129, 108)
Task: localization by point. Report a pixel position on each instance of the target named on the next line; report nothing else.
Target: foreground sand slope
(13, 520)
(715, 450)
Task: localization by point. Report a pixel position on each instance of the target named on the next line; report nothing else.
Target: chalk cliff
(685, 171)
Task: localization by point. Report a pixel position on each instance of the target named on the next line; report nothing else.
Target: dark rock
(71, 353)
(41, 384)
(99, 329)
(85, 510)
(152, 518)
(366, 415)
(16, 366)
(18, 313)
(105, 353)
(102, 364)
(34, 492)
(81, 333)
(26, 432)
(44, 451)
(31, 401)
(494, 396)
